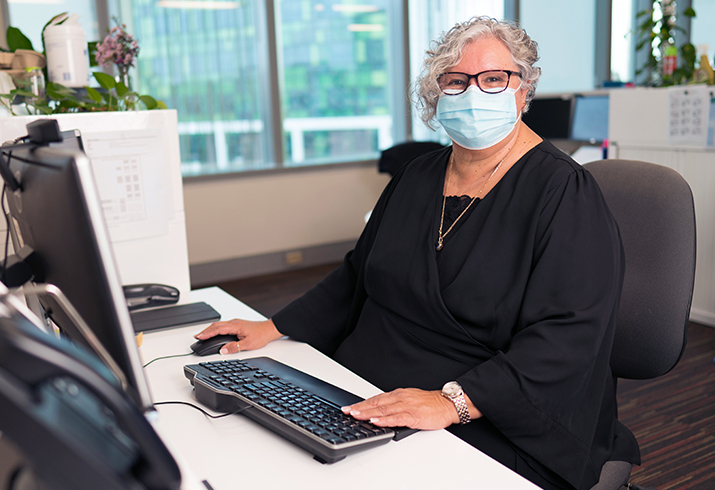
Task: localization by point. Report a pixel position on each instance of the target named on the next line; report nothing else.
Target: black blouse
(519, 307)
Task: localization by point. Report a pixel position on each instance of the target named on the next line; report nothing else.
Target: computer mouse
(212, 345)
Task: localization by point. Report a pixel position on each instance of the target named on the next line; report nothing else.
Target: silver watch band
(454, 392)
(460, 403)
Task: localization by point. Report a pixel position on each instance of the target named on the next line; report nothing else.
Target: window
(204, 59)
(335, 75)
(210, 60)
(702, 33)
(622, 41)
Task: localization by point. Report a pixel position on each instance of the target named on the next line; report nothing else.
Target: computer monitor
(590, 118)
(68, 420)
(57, 213)
(550, 116)
(71, 139)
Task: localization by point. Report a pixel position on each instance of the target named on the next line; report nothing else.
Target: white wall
(244, 216)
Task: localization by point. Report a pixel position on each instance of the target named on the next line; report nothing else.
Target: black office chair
(393, 158)
(653, 206)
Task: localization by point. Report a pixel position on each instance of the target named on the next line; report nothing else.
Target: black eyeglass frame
(509, 73)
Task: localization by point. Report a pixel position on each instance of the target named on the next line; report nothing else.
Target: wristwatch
(454, 392)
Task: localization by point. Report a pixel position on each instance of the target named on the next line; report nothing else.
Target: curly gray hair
(446, 52)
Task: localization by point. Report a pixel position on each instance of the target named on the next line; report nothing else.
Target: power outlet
(294, 258)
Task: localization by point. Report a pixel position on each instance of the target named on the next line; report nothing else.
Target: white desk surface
(237, 453)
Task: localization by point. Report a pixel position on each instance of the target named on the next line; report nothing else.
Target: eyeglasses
(489, 82)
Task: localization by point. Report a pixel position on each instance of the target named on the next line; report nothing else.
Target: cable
(202, 410)
(168, 357)
(7, 235)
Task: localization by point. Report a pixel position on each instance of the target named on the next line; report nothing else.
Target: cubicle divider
(136, 162)
(674, 127)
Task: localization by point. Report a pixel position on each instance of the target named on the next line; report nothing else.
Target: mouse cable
(7, 234)
(168, 357)
(202, 410)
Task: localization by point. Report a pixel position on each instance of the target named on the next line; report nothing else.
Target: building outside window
(335, 79)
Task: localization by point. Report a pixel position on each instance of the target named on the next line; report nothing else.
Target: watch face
(451, 389)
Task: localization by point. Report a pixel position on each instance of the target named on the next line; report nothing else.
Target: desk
(234, 452)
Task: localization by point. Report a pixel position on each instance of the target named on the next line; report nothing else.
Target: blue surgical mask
(476, 120)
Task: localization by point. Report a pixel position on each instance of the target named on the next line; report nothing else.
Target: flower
(118, 48)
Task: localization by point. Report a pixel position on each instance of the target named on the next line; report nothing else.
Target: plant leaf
(148, 101)
(92, 51)
(121, 89)
(161, 105)
(94, 95)
(70, 104)
(689, 12)
(643, 12)
(17, 40)
(104, 80)
(58, 91)
(24, 93)
(45, 109)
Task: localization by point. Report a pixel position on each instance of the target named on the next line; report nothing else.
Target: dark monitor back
(72, 424)
(71, 140)
(550, 117)
(59, 215)
(590, 118)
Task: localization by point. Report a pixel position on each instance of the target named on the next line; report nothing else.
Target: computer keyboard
(301, 408)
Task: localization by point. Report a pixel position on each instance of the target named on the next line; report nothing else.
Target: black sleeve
(326, 314)
(547, 390)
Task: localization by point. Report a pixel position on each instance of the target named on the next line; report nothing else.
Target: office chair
(393, 158)
(654, 209)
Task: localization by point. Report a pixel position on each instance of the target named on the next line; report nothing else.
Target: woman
(491, 314)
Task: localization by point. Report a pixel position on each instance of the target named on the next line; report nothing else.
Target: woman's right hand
(251, 335)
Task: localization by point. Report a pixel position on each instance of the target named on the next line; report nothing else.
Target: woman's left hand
(406, 407)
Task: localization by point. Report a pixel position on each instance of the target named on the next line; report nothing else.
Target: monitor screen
(590, 118)
(550, 117)
(57, 212)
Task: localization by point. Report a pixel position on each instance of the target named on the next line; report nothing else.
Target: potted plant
(117, 49)
(656, 32)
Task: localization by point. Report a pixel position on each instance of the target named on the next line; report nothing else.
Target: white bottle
(67, 53)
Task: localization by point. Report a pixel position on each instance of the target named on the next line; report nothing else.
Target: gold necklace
(440, 238)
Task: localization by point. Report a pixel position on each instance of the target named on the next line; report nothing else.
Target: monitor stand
(58, 300)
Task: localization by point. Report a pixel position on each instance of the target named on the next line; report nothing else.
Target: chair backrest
(393, 158)
(654, 209)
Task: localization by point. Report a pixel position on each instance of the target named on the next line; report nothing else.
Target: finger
(401, 419)
(231, 348)
(372, 402)
(376, 406)
(391, 415)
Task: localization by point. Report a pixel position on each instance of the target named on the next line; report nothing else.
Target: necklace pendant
(439, 244)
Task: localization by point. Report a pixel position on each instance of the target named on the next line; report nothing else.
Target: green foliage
(17, 40)
(656, 30)
(112, 96)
